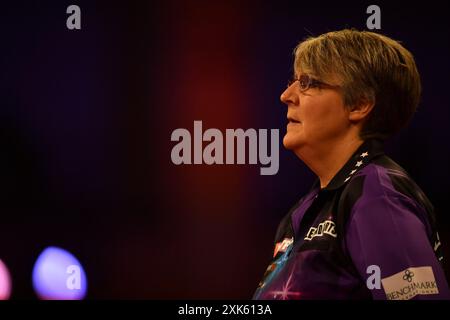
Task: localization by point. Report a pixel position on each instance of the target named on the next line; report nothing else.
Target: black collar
(363, 155)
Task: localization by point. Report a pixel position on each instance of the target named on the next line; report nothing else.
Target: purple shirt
(370, 234)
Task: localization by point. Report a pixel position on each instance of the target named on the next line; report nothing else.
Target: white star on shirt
(359, 163)
(347, 179)
(364, 154)
(285, 293)
(353, 171)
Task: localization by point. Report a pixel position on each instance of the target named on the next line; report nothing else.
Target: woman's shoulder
(384, 184)
(383, 177)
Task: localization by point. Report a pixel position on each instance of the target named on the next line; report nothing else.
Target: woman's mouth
(292, 121)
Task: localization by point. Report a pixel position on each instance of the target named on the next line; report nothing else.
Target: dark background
(86, 118)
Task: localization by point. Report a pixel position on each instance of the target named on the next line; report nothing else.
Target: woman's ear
(361, 110)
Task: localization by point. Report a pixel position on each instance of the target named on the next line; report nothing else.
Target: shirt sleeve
(387, 241)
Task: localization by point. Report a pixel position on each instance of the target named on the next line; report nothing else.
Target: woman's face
(316, 116)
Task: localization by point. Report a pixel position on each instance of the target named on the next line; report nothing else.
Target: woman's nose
(288, 96)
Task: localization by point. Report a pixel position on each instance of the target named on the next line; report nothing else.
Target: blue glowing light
(58, 275)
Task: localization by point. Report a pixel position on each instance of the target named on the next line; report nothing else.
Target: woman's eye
(303, 84)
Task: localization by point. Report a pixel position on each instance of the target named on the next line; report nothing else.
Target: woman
(365, 230)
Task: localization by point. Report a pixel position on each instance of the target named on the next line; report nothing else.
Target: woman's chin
(291, 142)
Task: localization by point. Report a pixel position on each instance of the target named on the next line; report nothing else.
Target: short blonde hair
(370, 68)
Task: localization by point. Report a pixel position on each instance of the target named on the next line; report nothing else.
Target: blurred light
(58, 275)
(5, 282)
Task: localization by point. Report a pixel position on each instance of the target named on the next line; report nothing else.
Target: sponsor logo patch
(409, 283)
(282, 246)
(327, 227)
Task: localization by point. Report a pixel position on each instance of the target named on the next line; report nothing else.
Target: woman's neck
(326, 161)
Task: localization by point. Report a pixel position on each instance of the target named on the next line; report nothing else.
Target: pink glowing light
(5, 282)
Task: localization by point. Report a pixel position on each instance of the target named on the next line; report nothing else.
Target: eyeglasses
(306, 82)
